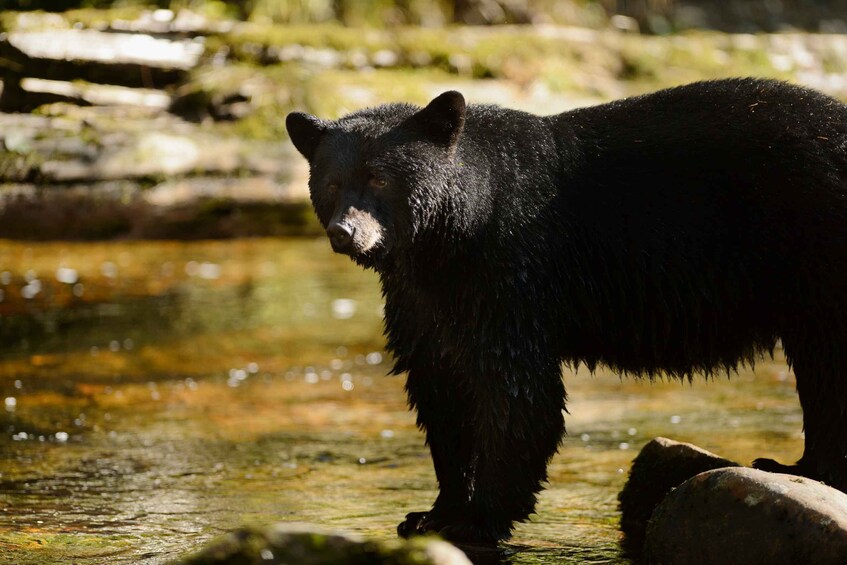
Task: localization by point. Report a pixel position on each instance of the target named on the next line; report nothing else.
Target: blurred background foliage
(163, 118)
(652, 16)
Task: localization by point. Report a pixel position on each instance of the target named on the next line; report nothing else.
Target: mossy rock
(302, 544)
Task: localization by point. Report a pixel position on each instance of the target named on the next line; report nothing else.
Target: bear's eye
(332, 188)
(377, 182)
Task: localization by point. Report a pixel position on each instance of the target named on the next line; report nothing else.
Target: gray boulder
(741, 515)
(62, 55)
(660, 466)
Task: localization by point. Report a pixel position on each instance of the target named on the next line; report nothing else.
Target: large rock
(742, 515)
(90, 94)
(93, 46)
(302, 544)
(187, 191)
(660, 466)
(134, 60)
(79, 145)
(105, 172)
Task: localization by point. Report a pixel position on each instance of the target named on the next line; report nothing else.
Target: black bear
(675, 233)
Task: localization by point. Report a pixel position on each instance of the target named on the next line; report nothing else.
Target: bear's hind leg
(820, 365)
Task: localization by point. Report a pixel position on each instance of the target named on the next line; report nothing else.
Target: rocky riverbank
(140, 123)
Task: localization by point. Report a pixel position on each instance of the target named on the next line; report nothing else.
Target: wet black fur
(676, 233)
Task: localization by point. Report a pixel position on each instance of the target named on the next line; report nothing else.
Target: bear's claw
(415, 524)
(421, 523)
(771, 466)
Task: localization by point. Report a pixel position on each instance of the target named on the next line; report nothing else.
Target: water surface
(157, 394)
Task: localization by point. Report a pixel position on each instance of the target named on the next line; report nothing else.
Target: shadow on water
(158, 394)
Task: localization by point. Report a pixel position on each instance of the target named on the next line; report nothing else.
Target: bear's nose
(340, 236)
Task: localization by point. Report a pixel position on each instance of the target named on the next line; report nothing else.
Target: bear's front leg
(491, 437)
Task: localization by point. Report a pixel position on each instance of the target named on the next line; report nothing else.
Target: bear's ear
(443, 119)
(305, 132)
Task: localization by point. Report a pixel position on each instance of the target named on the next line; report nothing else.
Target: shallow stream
(157, 394)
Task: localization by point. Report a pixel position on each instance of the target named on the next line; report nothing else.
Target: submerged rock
(660, 466)
(743, 515)
(303, 544)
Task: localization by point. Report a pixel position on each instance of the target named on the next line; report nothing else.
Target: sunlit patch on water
(158, 394)
(343, 308)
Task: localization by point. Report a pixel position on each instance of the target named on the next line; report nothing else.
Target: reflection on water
(157, 394)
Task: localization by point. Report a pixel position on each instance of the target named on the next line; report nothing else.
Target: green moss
(89, 135)
(273, 91)
(335, 93)
(211, 9)
(834, 63)
(87, 17)
(297, 545)
(245, 39)
(520, 54)
(279, 89)
(656, 62)
(477, 53)
(49, 547)
(19, 167)
(93, 18)
(402, 552)
(602, 64)
(8, 20)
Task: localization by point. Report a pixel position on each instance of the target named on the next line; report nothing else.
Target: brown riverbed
(158, 394)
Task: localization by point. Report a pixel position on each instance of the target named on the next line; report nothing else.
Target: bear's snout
(341, 237)
(354, 232)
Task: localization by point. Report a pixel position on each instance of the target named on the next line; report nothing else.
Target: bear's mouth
(357, 246)
(371, 258)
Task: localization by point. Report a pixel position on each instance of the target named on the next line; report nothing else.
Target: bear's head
(377, 175)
